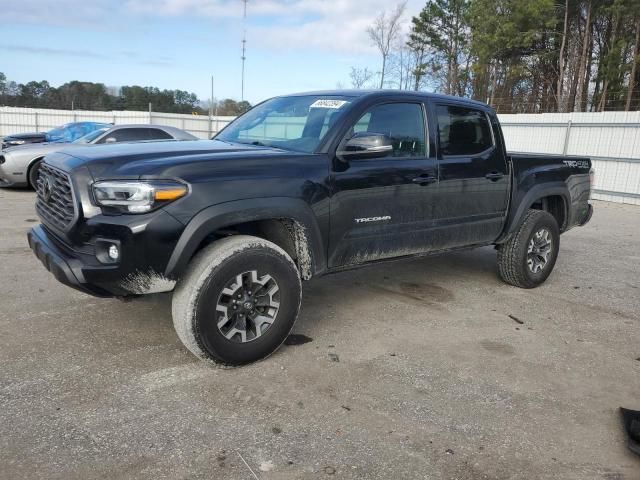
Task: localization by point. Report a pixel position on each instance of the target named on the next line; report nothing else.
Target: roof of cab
(386, 92)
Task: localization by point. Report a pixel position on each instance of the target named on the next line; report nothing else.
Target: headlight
(137, 197)
(12, 143)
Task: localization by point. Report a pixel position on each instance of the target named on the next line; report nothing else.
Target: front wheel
(238, 300)
(528, 257)
(34, 173)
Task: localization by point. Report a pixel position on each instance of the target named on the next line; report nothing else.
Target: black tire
(34, 172)
(521, 268)
(198, 297)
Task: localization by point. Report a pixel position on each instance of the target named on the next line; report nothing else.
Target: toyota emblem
(47, 187)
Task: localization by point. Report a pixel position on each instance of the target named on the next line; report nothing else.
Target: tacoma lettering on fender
(299, 186)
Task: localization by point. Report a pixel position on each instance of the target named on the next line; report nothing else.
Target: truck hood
(135, 160)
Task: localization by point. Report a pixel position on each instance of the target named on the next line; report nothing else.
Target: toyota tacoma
(299, 186)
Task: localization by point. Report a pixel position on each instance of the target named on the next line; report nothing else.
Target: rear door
(473, 187)
(382, 207)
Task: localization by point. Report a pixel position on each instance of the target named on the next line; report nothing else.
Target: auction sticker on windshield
(328, 103)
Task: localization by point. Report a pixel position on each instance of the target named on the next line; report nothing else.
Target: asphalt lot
(414, 370)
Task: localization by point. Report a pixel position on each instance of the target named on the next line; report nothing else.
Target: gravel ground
(413, 369)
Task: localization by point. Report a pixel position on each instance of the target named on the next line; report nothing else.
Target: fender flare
(227, 214)
(517, 212)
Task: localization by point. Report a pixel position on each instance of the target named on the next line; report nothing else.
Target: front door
(382, 207)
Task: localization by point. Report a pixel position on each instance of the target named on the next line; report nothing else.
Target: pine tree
(441, 29)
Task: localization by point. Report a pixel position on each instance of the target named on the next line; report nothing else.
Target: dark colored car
(299, 186)
(65, 134)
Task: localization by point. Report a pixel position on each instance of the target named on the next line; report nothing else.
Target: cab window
(463, 131)
(402, 122)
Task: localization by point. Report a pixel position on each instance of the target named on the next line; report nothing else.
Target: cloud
(161, 61)
(330, 25)
(59, 12)
(336, 25)
(158, 61)
(53, 51)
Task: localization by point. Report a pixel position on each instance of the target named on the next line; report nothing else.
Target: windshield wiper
(256, 143)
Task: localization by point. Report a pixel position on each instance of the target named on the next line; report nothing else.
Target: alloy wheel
(539, 250)
(247, 306)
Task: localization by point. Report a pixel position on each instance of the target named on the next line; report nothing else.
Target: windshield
(291, 123)
(56, 133)
(73, 131)
(90, 137)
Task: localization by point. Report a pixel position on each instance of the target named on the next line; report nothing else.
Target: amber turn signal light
(172, 194)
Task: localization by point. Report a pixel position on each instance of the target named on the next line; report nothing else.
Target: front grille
(55, 198)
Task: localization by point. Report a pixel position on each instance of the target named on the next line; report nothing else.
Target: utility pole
(211, 102)
(211, 110)
(244, 43)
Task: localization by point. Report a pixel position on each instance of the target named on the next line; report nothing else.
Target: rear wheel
(34, 173)
(528, 258)
(238, 300)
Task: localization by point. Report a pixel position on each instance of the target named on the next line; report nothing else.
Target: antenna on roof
(244, 44)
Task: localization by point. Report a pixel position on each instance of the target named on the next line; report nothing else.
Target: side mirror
(110, 140)
(365, 145)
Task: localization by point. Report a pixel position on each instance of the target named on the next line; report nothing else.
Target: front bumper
(61, 262)
(145, 244)
(9, 178)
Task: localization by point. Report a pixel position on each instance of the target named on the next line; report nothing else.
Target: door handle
(494, 176)
(425, 179)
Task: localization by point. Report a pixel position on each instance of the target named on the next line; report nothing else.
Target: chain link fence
(21, 120)
(610, 139)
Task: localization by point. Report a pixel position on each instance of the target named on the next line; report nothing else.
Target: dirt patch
(296, 339)
(16, 251)
(425, 293)
(497, 347)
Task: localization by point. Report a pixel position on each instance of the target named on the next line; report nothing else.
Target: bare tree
(402, 66)
(635, 60)
(562, 72)
(384, 33)
(581, 94)
(360, 77)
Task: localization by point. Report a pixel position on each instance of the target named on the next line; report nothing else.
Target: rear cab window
(463, 131)
(157, 134)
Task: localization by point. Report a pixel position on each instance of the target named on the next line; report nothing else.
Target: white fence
(21, 120)
(610, 139)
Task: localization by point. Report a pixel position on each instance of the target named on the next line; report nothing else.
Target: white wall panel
(611, 139)
(21, 120)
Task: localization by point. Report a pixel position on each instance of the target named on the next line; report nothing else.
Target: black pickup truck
(299, 186)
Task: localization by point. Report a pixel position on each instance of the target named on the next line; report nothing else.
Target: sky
(292, 45)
